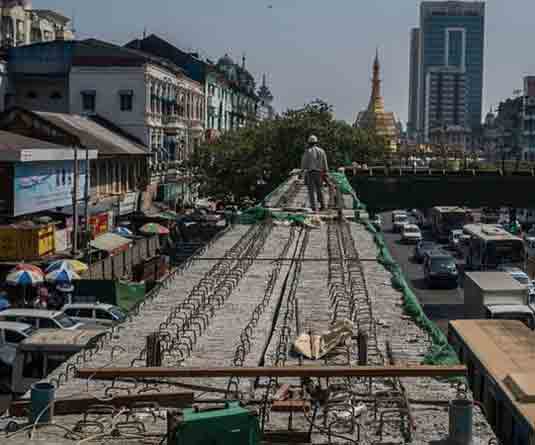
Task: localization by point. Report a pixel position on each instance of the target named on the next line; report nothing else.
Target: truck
(497, 295)
(445, 219)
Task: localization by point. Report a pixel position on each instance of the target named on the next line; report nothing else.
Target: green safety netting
(440, 351)
(257, 214)
(341, 181)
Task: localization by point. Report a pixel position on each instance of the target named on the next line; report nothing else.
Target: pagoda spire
(376, 100)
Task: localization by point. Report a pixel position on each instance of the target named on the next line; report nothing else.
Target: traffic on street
(435, 249)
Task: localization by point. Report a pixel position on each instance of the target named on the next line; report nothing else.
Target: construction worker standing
(314, 166)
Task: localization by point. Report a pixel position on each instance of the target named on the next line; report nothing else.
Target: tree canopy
(251, 161)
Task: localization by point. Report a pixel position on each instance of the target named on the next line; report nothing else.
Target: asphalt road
(440, 305)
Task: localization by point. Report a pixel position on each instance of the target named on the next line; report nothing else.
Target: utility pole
(75, 205)
(86, 196)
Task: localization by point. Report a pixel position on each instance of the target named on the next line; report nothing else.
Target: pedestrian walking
(314, 166)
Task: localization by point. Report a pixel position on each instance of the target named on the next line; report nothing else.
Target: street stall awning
(110, 242)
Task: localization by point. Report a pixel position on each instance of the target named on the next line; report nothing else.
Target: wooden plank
(79, 405)
(290, 406)
(286, 437)
(295, 371)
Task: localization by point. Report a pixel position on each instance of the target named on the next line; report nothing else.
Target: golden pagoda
(375, 118)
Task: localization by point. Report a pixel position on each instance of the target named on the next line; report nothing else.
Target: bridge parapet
(407, 171)
(384, 188)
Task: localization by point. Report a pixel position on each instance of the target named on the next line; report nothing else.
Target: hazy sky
(312, 48)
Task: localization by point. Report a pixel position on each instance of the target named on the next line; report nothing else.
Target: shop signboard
(129, 203)
(40, 186)
(98, 224)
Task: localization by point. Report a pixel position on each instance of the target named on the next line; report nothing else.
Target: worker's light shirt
(314, 158)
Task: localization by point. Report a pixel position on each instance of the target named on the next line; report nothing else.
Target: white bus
(488, 246)
(445, 219)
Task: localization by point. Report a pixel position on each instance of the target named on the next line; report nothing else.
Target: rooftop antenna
(243, 59)
(144, 32)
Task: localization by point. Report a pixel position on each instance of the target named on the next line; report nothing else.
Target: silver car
(95, 313)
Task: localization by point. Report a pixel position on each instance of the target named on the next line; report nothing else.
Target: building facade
(21, 24)
(451, 35)
(229, 88)
(446, 105)
(147, 97)
(528, 119)
(414, 59)
(375, 118)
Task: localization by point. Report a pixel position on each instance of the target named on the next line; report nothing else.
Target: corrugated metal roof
(92, 134)
(15, 142)
(109, 242)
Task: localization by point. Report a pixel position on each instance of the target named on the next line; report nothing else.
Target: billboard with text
(40, 186)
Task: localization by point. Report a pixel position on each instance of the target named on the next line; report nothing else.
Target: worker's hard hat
(312, 139)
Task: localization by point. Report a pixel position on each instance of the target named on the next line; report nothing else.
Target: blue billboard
(40, 186)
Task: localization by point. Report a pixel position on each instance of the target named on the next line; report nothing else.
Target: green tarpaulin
(129, 294)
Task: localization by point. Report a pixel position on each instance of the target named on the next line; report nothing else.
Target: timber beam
(283, 371)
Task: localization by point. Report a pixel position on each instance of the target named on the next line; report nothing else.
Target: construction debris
(315, 347)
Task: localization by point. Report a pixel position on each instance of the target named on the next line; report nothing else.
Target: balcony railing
(170, 119)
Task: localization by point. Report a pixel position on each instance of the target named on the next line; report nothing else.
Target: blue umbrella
(62, 276)
(18, 277)
(123, 231)
(4, 302)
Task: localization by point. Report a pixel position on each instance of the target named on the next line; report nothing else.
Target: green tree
(250, 161)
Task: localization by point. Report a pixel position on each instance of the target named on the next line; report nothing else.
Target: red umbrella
(29, 268)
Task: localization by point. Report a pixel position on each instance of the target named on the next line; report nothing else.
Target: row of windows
(55, 95)
(89, 101)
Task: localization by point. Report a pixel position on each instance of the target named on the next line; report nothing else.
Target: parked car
(400, 219)
(422, 248)
(40, 318)
(95, 313)
(12, 333)
(440, 269)
(410, 233)
(454, 238)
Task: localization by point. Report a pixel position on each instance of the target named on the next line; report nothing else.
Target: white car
(410, 233)
(12, 333)
(40, 318)
(400, 219)
(396, 213)
(95, 313)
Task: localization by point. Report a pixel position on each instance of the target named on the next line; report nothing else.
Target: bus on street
(488, 246)
(446, 219)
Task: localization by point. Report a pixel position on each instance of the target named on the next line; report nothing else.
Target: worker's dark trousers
(313, 182)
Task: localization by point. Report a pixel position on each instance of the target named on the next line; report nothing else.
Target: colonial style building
(229, 88)
(147, 96)
(375, 118)
(21, 24)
